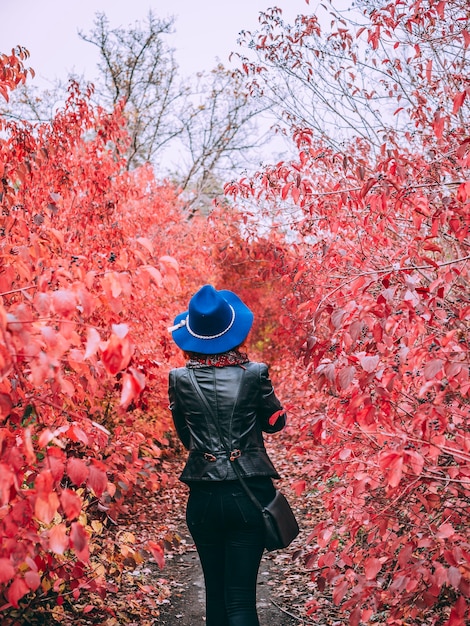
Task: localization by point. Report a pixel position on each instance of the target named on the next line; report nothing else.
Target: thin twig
(7, 293)
(391, 270)
(299, 619)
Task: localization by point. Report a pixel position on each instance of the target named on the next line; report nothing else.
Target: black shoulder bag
(280, 525)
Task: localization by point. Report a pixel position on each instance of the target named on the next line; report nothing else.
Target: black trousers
(228, 533)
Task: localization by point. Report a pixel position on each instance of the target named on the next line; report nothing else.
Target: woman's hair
(199, 355)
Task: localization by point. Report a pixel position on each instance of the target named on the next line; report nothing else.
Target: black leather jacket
(243, 399)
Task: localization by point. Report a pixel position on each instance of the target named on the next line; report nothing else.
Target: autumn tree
(207, 120)
(359, 81)
(88, 286)
(191, 129)
(137, 66)
(219, 138)
(376, 254)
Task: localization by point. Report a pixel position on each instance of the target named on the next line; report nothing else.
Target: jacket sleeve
(178, 417)
(270, 411)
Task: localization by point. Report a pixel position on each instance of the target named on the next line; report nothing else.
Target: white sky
(206, 30)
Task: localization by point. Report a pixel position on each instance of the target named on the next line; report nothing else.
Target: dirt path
(283, 582)
(284, 585)
(185, 607)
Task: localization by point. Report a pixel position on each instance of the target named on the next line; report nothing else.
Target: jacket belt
(212, 457)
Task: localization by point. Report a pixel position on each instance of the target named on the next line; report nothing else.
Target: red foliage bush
(88, 287)
(376, 259)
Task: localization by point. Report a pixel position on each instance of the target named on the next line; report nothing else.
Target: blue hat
(216, 321)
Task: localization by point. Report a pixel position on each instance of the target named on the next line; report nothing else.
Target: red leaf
(392, 464)
(415, 461)
(7, 480)
(432, 368)
(56, 462)
(346, 376)
(355, 617)
(154, 274)
(97, 480)
(75, 433)
(274, 417)
(7, 571)
(445, 531)
(463, 191)
(367, 186)
(71, 503)
(46, 507)
(79, 541)
(157, 552)
(46, 437)
(452, 368)
(117, 354)
(146, 243)
(337, 317)
(440, 574)
(458, 612)
(16, 591)
(454, 576)
(133, 383)
(327, 370)
(58, 539)
(42, 303)
(6, 404)
(77, 470)
(285, 190)
(112, 283)
(429, 70)
(64, 302)
(92, 342)
(32, 579)
(372, 567)
(369, 363)
(458, 101)
(169, 264)
(44, 483)
(299, 487)
(438, 125)
(340, 591)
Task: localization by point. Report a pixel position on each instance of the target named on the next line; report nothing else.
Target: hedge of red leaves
(88, 287)
(377, 260)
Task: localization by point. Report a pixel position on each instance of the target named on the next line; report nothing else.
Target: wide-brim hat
(216, 321)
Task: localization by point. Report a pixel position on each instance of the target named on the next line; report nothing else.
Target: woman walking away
(221, 402)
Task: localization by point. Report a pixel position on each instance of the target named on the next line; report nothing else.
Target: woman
(219, 383)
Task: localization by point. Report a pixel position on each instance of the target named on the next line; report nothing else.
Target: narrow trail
(185, 606)
(283, 583)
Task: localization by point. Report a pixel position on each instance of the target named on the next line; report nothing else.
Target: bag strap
(202, 397)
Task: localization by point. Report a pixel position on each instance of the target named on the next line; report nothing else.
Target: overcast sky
(205, 29)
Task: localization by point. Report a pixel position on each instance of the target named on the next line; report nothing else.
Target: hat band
(191, 331)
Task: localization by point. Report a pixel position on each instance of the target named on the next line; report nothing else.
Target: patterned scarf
(231, 357)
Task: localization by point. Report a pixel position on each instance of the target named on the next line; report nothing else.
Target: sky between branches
(206, 30)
